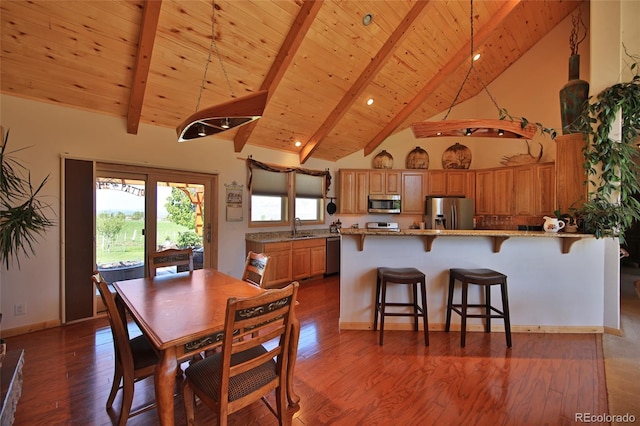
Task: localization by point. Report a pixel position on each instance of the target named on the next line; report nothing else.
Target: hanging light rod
(473, 127)
(222, 117)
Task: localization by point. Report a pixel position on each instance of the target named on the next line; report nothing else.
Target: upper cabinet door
(384, 182)
(503, 191)
(354, 191)
(413, 192)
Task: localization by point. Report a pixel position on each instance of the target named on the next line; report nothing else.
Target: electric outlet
(20, 309)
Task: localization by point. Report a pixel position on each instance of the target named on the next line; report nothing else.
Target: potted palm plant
(22, 213)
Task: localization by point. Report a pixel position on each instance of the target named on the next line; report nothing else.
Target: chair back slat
(170, 257)
(255, 268)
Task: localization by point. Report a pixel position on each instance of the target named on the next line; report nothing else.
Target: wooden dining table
(183, 315)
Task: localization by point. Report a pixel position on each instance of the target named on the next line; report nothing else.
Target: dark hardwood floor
(344, 377)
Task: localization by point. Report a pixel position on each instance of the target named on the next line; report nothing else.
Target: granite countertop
(277, 236)
(498, 236)
(462, 233)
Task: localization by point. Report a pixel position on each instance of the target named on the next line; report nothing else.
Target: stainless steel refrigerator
(449, 213)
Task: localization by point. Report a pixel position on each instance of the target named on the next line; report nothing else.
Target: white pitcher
(552, 224)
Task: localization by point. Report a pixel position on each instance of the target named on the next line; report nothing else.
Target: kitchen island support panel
(549, 291)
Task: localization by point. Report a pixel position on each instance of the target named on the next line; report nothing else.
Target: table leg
(165, 382)
(292, 397)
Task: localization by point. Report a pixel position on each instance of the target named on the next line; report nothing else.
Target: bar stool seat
(486, 278)
(411, 276)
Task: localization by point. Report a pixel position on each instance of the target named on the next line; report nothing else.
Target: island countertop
(498, 235)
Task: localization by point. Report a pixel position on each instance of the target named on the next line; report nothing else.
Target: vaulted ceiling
(144, 61)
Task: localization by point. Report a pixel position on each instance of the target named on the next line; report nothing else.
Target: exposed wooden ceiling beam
(456, 61)
(292, 42)
(387, 50)
(150, 17)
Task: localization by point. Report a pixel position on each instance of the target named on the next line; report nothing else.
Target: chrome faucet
(296, 222)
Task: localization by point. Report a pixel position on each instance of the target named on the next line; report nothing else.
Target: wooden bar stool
(410, 276)
(486, 278)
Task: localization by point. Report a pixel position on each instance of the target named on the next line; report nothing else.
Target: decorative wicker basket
(383, 160)
(417, 158)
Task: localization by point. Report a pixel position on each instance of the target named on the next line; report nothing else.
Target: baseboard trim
(613, 331)
(30, 328)
(479, 327)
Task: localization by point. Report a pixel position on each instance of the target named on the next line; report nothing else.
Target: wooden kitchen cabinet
(503, 191)
(534, 189)
(413, 192)
(354, 191)
(279, 269)
(292, 260)
(436, 183)
(318, 259)
(545, 185)
(457, 183)
(308, 258)
(461, 183)
(484, 192)
(384, 182)
(570, 174)
(524, 194)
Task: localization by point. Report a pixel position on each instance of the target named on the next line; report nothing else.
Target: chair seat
(478, 276)
(205, 374)
(400, 274)
(144, 354)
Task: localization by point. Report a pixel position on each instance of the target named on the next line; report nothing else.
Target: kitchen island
(557, 282)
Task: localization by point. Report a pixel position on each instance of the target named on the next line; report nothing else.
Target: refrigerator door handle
(454, 217)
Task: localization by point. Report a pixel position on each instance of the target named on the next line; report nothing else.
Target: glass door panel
(179, 220)
(120, 224)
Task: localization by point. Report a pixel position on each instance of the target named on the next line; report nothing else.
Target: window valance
(251, 164)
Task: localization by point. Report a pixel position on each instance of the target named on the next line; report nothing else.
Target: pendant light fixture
(225, 116)
(473, 127)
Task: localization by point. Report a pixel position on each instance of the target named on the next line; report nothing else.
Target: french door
(115, 215)
(139, 213)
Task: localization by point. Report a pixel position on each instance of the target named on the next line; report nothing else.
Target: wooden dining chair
(170, 257)
(255, 268)
(245, 371)
(135, 359)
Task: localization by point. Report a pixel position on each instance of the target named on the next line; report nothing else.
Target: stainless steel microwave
(384, 204)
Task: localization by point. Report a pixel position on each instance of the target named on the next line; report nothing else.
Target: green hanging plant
(612, 207)
(22, 214)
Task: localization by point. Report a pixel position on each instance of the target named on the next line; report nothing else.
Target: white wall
(52, 131)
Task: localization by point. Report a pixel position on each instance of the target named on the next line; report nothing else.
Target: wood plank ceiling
(145, 61)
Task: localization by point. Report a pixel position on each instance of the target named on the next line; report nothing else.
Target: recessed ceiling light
(476, 56)
(366, 19)
(298, 143)
(370, 101)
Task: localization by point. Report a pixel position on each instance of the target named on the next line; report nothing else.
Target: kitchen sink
(303, 237)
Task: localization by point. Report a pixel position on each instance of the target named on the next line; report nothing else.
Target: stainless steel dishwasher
(333, 256)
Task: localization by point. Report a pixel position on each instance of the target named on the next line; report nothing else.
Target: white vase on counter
(552, 224)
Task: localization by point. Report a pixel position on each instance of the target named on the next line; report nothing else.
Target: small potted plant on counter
(569, 219)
